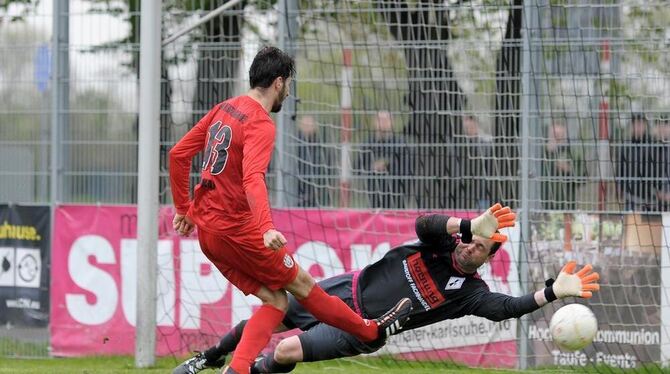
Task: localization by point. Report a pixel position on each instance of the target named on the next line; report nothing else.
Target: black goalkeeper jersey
(426, 273)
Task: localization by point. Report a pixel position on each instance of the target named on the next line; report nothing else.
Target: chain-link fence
(435, 111)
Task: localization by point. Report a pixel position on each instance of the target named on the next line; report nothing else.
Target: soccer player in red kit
(231, 210)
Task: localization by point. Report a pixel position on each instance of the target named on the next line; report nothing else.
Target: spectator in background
(637, 166)
(562, 169)
(311, 164)
(382, 159)
(662, 138)
(474, 158)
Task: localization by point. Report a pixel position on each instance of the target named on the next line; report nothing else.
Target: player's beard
(276, 107)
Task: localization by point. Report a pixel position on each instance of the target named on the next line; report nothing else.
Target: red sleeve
(181, 156)
(259, 139)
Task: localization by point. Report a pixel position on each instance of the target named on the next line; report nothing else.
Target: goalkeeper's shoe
(393, 320)
(197, 364)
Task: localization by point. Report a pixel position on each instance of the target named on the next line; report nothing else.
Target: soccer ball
(573, 327)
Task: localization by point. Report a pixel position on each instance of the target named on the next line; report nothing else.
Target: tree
(508, 93)
(23, 8)
(429, 34)
(434, 94)
(25, 119)
(436, 98)
(218, 50)
(218, 54)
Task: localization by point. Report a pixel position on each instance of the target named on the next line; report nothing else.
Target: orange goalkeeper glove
(488, 223)
(568, 283)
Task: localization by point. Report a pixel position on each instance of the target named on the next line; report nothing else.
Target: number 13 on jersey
(216, 153)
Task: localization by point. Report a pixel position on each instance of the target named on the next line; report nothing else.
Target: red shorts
(245, 261)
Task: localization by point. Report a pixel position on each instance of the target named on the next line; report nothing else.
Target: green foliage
(550, 227)
(607, 229)
(611, 230)
(26, 7)
(128, 11)
(477, 29)
(101, 134)
(376, 72)
(646, 25)
(621, 97)
(645, 28)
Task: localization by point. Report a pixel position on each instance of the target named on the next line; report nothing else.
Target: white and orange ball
(573, 327)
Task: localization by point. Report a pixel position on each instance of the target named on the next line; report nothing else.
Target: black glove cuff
(466, 232)
(549, 293)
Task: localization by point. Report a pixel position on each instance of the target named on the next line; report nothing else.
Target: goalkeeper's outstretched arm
(498, 307)
(437, 228)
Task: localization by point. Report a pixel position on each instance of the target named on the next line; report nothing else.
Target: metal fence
(421, 104)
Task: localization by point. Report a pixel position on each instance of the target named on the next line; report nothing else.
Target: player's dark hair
(495, 247)
(269, 64)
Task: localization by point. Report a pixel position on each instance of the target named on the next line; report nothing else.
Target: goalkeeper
(438, 273)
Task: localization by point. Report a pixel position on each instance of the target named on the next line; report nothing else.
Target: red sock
(255, 337)
(333, 311)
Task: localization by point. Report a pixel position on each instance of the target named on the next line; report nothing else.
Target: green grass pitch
(100, 365)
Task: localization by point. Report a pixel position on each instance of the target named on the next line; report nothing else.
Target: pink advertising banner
(94, 282)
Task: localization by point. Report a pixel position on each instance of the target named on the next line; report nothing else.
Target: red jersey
(238, 137)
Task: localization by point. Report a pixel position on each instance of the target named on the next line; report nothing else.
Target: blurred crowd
(389, 169)
(643, 161)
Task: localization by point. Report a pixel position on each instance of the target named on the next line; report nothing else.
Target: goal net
(404, 107)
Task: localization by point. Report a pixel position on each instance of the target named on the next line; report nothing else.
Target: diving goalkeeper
(438, 273)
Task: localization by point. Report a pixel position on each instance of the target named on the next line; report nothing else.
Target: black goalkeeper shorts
(324, 342)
